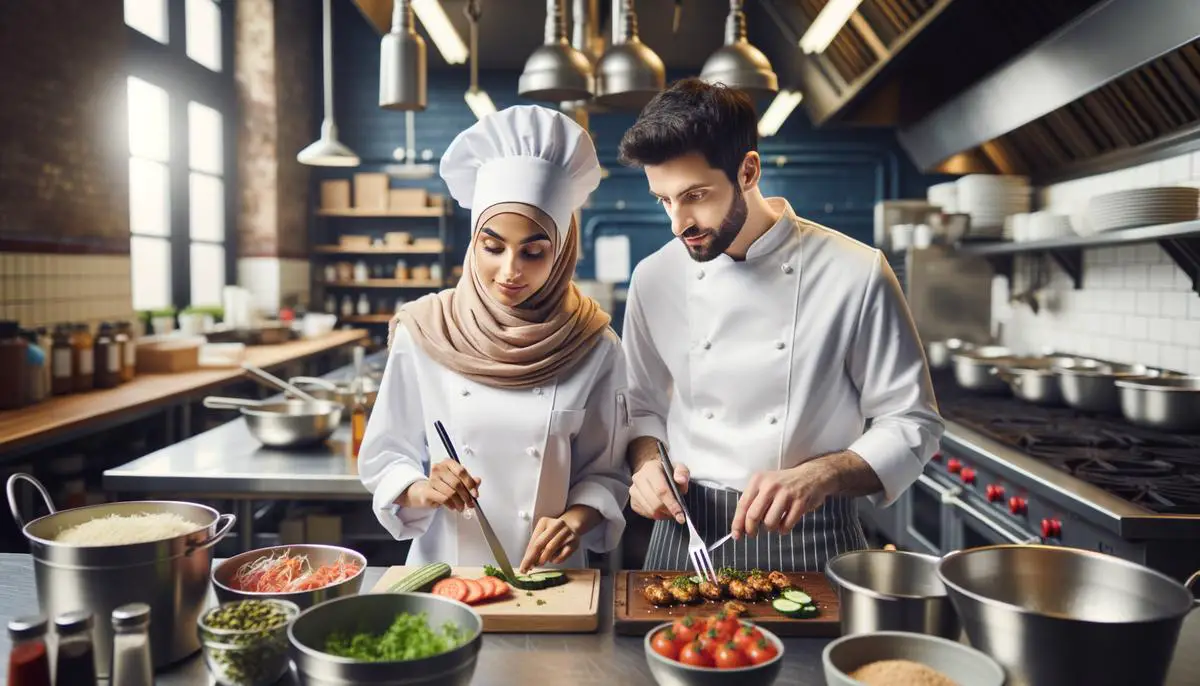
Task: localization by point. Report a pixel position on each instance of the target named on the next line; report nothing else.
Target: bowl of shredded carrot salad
(303, 574)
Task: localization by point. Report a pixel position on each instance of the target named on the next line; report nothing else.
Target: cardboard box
(403, 199)
(352, 241)
(323, 529)
(335, 194)
(370, 191)
(397, 239)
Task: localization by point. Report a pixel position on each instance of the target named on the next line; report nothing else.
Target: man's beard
(722, 236)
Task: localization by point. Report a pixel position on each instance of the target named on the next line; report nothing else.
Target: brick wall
(63, 138)
(1136, 305)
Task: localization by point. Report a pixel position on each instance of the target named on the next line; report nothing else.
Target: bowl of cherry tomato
(720, 650)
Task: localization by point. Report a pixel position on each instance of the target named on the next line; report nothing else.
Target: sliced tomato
(452, 588)
(489, 588)
(500, 588)
(474, 591)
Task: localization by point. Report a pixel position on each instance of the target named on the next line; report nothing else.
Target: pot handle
(12, 495)
(225, 522)
(325, 384)
(213, 402)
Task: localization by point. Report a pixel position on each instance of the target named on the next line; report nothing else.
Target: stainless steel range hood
(1139, 49)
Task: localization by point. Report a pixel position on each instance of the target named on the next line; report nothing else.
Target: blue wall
(833, 177)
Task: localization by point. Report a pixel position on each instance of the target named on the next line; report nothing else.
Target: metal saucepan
(1167, 403)
(171, 575)
(1053, 615)
(882, 590)
(938, 353)
(1090, 385)
(1037, 385)
(339, 391)
(287, 423)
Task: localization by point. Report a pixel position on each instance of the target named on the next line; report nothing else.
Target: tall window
(180, 99)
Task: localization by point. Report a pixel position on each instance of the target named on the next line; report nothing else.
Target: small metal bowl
(963, 664)
(667, 672)
(318, 555)
(374, 613)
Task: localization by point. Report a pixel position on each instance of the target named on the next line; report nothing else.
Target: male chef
(775, 358)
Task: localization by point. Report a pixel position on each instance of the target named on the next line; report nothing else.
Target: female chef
(521, 368)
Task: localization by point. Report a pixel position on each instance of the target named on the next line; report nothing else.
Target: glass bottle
(347, 306)
(45, 342)
(62, 362)
(75, 658)
(358, 414)
(131, 663)
(28, 660)
(364, 304)
(35, 368)
(107, 356)
(127, 346)
(84, 358)
(14, 366)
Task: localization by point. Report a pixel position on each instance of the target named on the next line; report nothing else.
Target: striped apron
(820, 536)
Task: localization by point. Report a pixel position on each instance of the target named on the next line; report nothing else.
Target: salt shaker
(131, 663)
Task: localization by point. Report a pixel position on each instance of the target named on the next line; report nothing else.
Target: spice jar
(107, 355)
(28, 661)
(14, 366)
(83, 358)
(45, 342)
(401, 270)
(35, 368)
(75, 658)
(364, 304)
(131, 663)
(128, 348)
(62, 362)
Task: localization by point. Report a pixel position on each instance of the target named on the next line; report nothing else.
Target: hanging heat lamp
(327, 151)
(738, 64)
(629, 73)
(556, 71)
(402, 66)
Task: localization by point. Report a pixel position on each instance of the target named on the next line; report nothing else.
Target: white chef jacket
(536, 451)
(762, 364)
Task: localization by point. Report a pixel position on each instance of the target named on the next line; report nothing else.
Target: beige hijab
(467, 331)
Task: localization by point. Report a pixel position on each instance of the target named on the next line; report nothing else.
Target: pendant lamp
(629, 73)
(326, 151)
(738, 64)
(402, 63)
(556, 71)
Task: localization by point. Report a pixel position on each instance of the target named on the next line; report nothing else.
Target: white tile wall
(1136, 304)
(39, 289)
(273, 281)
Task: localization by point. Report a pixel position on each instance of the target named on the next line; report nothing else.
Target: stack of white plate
(1143, 207)
(989, 199)
(944, 195)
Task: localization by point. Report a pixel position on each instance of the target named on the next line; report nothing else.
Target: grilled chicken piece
(686, 594)
(710, 590)
(659, 596)
(734, 608)
(742, 590)
(779, 580)
(724, 578)
(761, 585)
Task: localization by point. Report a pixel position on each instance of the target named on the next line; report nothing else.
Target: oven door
(928, 518)
(975, 527)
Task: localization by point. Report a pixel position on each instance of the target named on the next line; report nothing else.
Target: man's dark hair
(693, 116)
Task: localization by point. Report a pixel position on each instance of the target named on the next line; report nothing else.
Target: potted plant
(199, 319)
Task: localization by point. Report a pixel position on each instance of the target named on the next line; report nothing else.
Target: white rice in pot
(127, 529)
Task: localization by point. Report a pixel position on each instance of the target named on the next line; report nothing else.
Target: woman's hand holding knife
(449, 485)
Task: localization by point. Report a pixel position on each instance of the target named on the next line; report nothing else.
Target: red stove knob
(968, 475)
(937, 457)
(1051, 528)
(1017, 505)
(953, 465)
(995, 493)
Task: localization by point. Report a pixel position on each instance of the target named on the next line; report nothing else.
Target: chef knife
(488, 534)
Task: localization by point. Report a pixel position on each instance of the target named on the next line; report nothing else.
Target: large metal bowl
(287, 423)
(963, 664)
(1169, 403)
(882, 590)
(318, 555)
(1055, 615)
(374, 613)
(668, 672)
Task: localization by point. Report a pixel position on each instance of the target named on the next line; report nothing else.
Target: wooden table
(63, 417)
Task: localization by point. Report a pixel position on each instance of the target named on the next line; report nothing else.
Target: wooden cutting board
(633, 615)
(573, 607)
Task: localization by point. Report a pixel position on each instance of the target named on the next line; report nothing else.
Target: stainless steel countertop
(598, 659)
(229, 462)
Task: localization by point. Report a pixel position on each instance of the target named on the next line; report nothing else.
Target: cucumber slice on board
(528, 583)
(808, 612)
(549, 579)
(797, 596)
(786, 607)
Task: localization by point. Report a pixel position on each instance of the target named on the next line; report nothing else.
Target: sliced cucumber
(808, 612)
(786, 607)
(528, 582)
(549, 579)
(797, 596)
(697, 579)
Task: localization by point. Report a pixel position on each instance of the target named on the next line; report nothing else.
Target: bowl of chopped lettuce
(386, 639)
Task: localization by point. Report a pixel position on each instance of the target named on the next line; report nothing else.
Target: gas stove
(1012, 472)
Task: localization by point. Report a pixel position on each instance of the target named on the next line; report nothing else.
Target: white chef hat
(526, 154)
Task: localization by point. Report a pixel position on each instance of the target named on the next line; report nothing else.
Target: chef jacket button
(465, 392)
(467, 450)
(524, 515)
(780, 345)
(772, 419)
(537, 390)
(707, 344)
(787, 268)
(700, 274)
(531, 451)
(708, 414)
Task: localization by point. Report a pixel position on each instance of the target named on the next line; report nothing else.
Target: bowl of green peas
(246, 642)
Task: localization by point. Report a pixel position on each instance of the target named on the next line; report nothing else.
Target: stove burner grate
(1163, 495)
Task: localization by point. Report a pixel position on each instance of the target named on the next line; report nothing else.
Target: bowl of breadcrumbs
(900, 658)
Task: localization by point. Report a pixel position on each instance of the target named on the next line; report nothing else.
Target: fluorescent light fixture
(479, 102)
(827, 25)
(777, 112)
(437, 24)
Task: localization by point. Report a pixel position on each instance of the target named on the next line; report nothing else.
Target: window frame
(168, 66)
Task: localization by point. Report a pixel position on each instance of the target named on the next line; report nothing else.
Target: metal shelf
(1181, 241)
